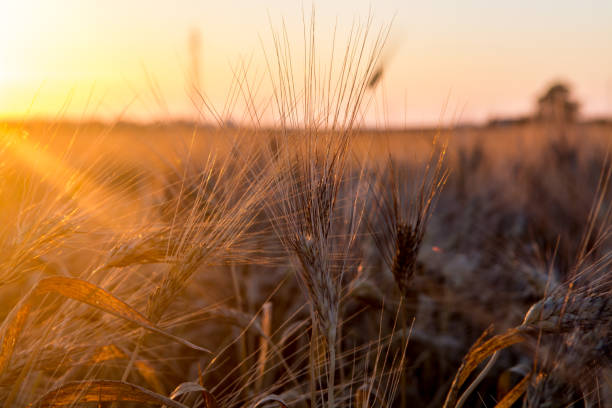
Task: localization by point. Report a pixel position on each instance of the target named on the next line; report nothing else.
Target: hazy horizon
(474, 61)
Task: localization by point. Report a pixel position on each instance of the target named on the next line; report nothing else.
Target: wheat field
(315, 262)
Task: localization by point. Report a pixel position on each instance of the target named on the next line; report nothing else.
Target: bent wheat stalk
(82, 291)
(101, 391)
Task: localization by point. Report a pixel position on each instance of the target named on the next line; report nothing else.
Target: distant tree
(556, 105)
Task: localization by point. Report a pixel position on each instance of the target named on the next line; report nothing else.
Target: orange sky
(88, 58)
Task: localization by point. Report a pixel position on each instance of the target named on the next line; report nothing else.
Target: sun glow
(70, 182)
(476, 53)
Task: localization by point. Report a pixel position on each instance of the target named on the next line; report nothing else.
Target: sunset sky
(484, 58)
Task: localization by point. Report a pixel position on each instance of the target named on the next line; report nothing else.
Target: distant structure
(195, 66)
(556, 106)
(508, 121)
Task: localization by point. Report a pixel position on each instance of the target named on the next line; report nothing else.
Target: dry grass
(313, 264)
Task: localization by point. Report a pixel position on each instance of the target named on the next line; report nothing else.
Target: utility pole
(195, 82)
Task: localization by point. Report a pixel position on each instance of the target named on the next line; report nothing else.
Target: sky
(460, 61)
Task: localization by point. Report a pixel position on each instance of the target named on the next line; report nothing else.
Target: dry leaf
(271, 398)
(102, 391)
(76, 289)
(515, 393)
(112, 352)
(478, 353)
(189, 387)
